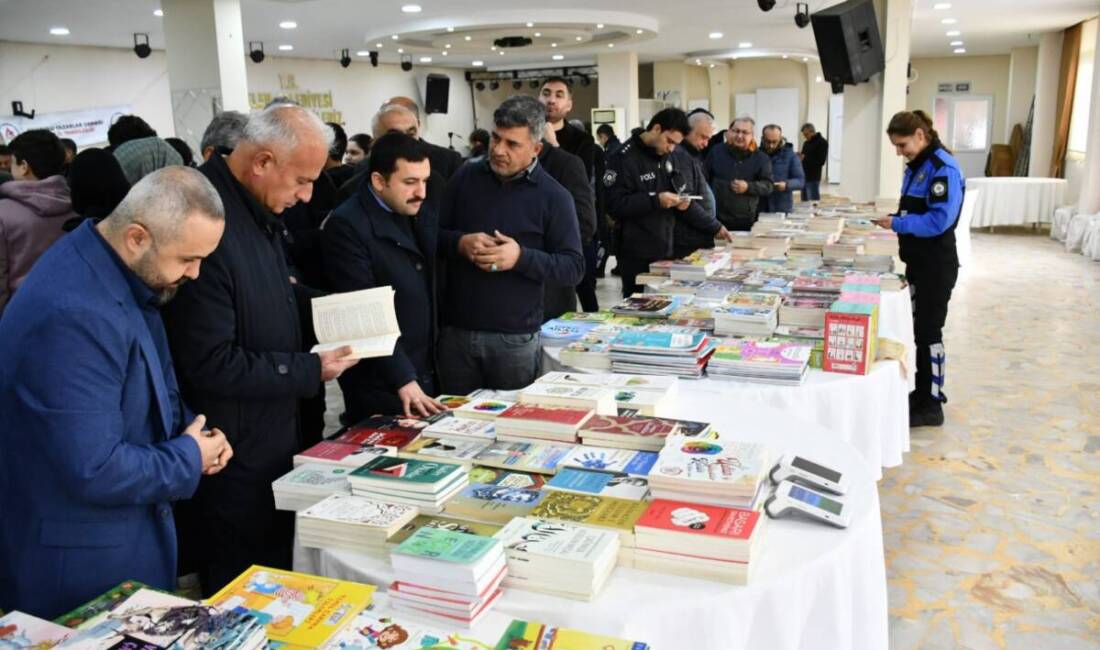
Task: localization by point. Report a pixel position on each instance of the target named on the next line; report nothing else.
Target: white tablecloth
(1015, 201)
(870, 412)
(814, 587)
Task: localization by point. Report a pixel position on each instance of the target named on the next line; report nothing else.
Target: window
(1082, 91)
(963, 121)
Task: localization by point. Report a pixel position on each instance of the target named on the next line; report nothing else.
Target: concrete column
(1046, 103)
(1089, 203)
(618, 84)
(895, 43)
(1021, 87)
(669, 81)
(720, 97)
(817, 101)
(206, 67)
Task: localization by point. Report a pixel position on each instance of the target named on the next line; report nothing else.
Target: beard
(146, 270)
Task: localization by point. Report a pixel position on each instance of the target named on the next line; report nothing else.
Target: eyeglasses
(740, 132)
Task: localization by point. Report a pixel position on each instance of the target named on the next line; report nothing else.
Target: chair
(962, 230)
(1079, 225)
(1090, 244)
(1059, 222)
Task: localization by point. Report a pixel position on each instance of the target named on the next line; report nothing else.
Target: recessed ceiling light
(400, 50)
(444, 52)
(378, 45)
(715, 35)
(492, 47)
(425, 59)
(501, 52)
(286, 48)
(394, 37)
(530, 24)
(450, 29)
(960, 50)
(805, 59)
(785, 56)
(362, 53)
(819, 79)
(158, 13)
(59, 31)
(939, 6)
(954, 32)
(698, 62)
(553, 45)
(411, 9)
(611, 45)
(580, 38)
(639, 31)
(949, 21)
(469, 38)
(599, 25)
(538, 34)
(558, 57)
(956, 43)
(477, 64)
(448, 46)
(288, 24)
(744, 45)
(712, 65)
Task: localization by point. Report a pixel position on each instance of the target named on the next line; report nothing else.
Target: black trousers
(629, 269)
(931, 284)
(586, 290)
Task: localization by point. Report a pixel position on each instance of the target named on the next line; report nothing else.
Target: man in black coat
(385, 237)
(238, 335)
(815, 153)
(568, 171)
(739, 174)
(445, 162)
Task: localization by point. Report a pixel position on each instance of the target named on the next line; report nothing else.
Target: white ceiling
(669, 29)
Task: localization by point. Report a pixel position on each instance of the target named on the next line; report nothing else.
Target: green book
(406, 474)
(446, 523)
(446, 546)
(443, 559)
(101, 604)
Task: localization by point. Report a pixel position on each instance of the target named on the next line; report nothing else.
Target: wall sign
(87, 127)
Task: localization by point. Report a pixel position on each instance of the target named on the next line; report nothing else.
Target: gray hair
(281, 100)
(224, 130)
(376, 121)
(744, 118)
(772, 126)
(164, 199)
(696, 119)
(282, 124)
(521, 110)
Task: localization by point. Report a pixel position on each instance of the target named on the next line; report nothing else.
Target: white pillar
(670, 81)
(861, 140)
(1089, 203)
(206, 68)
(1046, 104)
(895, 81)
(1021, 87)
(720, 97)
(817, 100)
(618, 85)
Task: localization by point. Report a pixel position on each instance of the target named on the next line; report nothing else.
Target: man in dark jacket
(568, 171)
(445, 162)
(739, 175)
(384, 237)
(238, 335)
(815, 152)
(507, 229)
(647, 195)
(787, 173)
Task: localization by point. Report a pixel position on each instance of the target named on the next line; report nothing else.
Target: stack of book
(440, 521)
(690, 539)
(558, 558)
(425, 484)
(447, 576)
(769, 362)
(358, 444)
(650, 305)
(307, 484)
(352, 523)
(527, 634)
(600, 484)
(332, 452)
(648, 352)
(603, 459)
(649, 395)
(636, 431)
(593, 351)
(377, 627)
(590, 398)
(606, 513)
(803, 312)
(699, 265)
(451, 449)
(714, 470)
(699, 315)
(493, 504)
(300, 610)
(483, 408)
(447, 425)
(19, 631)
(811, 242)
(538, 457)
(737, 320)
(531, 422)
(851, 326)
(558, 332)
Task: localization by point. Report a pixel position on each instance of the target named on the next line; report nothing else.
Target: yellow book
(608, 513)
(297, 609)
(530, 635)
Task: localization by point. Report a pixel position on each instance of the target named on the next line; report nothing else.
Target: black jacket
(816, 153)
(581, 144)
(445, 161)
(303, 225)
(367, 246)
(689, 236)
(725, 164)
(635, 176)
(238, 339)
(437, 182)
(568, 170)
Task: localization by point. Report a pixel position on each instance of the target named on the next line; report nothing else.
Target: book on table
(607, 513)
(483, 408)
(391, 431)
(350, 522)
(380, 627)
(558, 558)
(19, 631)
(537, 636)
(363, 320)
(452, 449)
(506, 477)
(636, 431)
(458, 427)
(307, 484)
(557, 332)
(534, 422)
(609, 459)
(651, 305)
(105, 602)
(493, 504)
(537, 457)
(591, 352)
(593, 398)
(772, 362)
(342, 453)
(714, 470)
(605, 484)
(426, 484)
(446, 523)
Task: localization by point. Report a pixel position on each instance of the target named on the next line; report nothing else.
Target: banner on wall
(87, 127)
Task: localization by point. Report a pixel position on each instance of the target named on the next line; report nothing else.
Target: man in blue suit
(96, 440)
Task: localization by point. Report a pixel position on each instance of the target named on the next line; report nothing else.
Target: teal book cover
(446, 545)
(404, 470)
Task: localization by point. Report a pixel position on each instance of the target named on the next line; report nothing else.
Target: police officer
(931, 199)
(646, 195)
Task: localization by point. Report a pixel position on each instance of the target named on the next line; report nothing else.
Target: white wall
(1024, 62)
(988, 75)
(61, 78)
(584, 100)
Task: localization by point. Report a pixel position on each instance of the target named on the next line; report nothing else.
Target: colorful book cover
(374, 629)
(559, 331)
(711, 460)
(506, 477)
(602, 484)
(563, 415)
(383, 431)
(603, 459)
(464, 427)
(101, 604)
(587, 317)
(354, 509)
(316, 475)
(447, 546)
(296, 608)
(659, 341)
(850, 341)
(540, 457)
(775, 353)
(605, 512)
(340, 453)
(406, 471)
(653, 304)
(19, 631)
(496, 503)
(444, 523)
(457, 449)
(526, 635)
(700, 519)
(633, 426)
(453, 402)
(532, 537)
(483, 408)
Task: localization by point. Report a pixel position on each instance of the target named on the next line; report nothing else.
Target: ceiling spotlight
(256, 51)
(400, 50)
(712, 65)
(470, 38)
(480, 86)
(362, 53)
(159, 13)
(953, 32)
(517, 84)
(444, 53)
(785, 56)
(500, 52)
(579, 38)
(286, 48)
(530, 24)
(959, 50)
(406, 62)
(494, 85)
(956, 43)
(141, 46)
(345, 60)
(374, 59)
(599, 25)
(378, 45)
(553, 45)
(714, 36)
(805, 59)
(448, 46)
(394, 37)
(611, 45)
(410, 9)
(288, 24)
(639, 31)
(802, 15)
(744, 45)
(949, 21)
(425, 59)
(450, 29)
(819, 79)
(558, 57)
(765, 5)
(59, 31)
(477, 64)
(939, 6)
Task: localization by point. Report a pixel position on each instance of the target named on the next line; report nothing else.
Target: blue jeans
(811, 191)
(469, 360)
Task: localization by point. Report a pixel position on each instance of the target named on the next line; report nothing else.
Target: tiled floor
(992, 524)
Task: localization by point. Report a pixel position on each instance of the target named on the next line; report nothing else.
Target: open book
(365, 320)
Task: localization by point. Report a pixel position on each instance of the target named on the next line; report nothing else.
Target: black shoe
(928, 414)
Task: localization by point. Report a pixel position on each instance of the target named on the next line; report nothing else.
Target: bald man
(240, 338)
(445, 162)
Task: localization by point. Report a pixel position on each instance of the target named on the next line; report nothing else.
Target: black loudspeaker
(848, 42)
(436, 91)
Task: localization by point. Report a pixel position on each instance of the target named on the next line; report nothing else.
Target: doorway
(965, 124)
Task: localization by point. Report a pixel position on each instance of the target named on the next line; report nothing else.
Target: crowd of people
(155, 315)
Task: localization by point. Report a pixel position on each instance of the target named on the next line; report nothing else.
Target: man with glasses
(740, 175)
(787, 175)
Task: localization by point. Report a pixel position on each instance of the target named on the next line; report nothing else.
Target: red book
(699, 519)
(644, 427)
(563, 415)
(383, 431)
(340, 453)
(850, 342)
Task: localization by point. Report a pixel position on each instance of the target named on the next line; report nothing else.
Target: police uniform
(931, 199)
(636, 174)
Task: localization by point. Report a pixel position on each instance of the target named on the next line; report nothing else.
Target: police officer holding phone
(931, 200)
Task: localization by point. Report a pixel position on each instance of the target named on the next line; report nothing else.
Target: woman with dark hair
(931, 200)
(183, 149)
(358, 148)
(97, 185)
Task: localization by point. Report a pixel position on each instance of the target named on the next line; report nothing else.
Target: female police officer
(931, 199)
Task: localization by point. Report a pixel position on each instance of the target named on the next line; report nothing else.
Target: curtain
(1089, 202)
(1067, 82)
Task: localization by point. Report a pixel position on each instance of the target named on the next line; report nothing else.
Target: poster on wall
(86, 127)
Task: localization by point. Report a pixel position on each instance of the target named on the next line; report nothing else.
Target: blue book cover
(658, 340)
(603, 484)
(565, 330)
